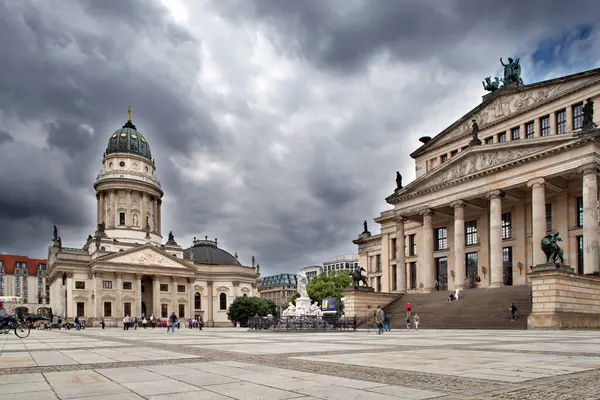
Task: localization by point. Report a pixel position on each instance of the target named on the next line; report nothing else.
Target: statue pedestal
(303, 303)
(554, 267)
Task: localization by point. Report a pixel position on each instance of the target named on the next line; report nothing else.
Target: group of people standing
(382, 319)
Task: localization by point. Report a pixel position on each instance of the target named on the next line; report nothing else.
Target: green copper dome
(129, 140)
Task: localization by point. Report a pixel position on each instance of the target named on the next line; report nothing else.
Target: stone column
(538, 217)
(159, 216)
(427, 267)
(44, 295)
(496, 258)
(400, 255)
(119, 307)
(236, 289)
(590, 219)
(537, 126)
(138, 294)
(569, 119)
(128, 214)
(143, 212)
(552, 123)
(191, 296)
(98, 314)
(209, 293)
(460, 269)
(98, 208)
(156, 296)
(174, 301)
(70, 284)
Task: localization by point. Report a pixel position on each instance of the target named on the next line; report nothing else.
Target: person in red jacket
(408, 309)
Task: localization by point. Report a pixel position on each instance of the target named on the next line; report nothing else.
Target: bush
(243, 308)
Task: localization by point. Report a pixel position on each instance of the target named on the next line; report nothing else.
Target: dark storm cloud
(5, 137)
(346, 34)
(68, 71)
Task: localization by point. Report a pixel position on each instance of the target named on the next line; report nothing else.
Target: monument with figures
(303, 306)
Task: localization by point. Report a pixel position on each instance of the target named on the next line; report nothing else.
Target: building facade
(312, 271)
(24, 277)
(278, 289)
(521, 165)
(346, 262)
(125, 268)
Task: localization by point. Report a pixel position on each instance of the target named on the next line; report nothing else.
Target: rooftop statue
(512, 72)
(55, 236)
(475, 131)
(398, 181)
(551, 248)
(490, 85)
(588, 115)
(171, 237)
(365, 226)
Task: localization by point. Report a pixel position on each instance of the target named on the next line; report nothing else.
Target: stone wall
(563, 300)
(357, 302)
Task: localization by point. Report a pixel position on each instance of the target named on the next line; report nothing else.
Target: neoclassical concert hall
(521, 165)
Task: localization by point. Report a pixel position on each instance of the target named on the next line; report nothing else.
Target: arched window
(197, 301)
(222, 301)
(245, 295)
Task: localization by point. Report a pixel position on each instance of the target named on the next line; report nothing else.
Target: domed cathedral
(124, 268)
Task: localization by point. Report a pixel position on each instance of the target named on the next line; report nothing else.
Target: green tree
(331, 285)
(292, 299)
(245, 307)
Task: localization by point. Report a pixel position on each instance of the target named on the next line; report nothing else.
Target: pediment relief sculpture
(245, 290)
(505, 106)
(107, 297)
(183, 300)
(128, 298)
(477, 162)
(165, 300)
(223, 289)
(80, 298)
(147, 257)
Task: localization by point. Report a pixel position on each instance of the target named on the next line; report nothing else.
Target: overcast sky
(277, 126)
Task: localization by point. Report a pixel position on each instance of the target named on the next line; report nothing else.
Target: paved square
(237, 364)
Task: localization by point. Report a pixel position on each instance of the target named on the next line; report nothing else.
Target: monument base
(362, 301)
(364, 289)
(303, 303)
(555, 267)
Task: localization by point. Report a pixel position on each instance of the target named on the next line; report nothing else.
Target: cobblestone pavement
(237, 364)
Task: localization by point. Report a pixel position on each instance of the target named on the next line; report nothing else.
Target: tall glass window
(441, 238)
(561, 122)
(506, 225)
(580, 211)
(578, 116)
(545, 124)
(515, 133)
(549, 217)
(529, 130)
(471, 233)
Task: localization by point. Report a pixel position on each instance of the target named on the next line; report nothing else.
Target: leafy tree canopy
(243, 308)
(331, 285)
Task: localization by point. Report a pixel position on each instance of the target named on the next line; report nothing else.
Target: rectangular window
(561, 122)
(412, 241)
(502, 137)
(395, 277)
(441, 239)
(107, 309)
(378, 261)
(515, 133)
(81, 309)
(506, 226)
(548, 217)
(529, 130)
(453, 153)
(182, 311)
(164, 287)
(79, 284)
(378, 284)
(470, 233)
(107, 284)
(545, 124)
(489, 140)
(121, 218)
(413, 275)
(394, 245)
(444, 158)
(580, 211)
(578, 116)
(127, 308)
(181, 288)
(164, 311)
(127, 286)
(580, 255)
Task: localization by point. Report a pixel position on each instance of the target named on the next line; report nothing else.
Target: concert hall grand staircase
(475, 309)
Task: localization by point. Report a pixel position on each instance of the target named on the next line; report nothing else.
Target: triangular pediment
(508, 103)
(480, 160)
(146, 256)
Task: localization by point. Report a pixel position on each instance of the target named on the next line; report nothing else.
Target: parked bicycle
(17, 325)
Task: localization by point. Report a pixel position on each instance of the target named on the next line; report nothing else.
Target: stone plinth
(303, 303)
(563, 300)
(358, 300)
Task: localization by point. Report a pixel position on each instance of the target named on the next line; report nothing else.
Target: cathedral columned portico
(522, 165)
(124, 268)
